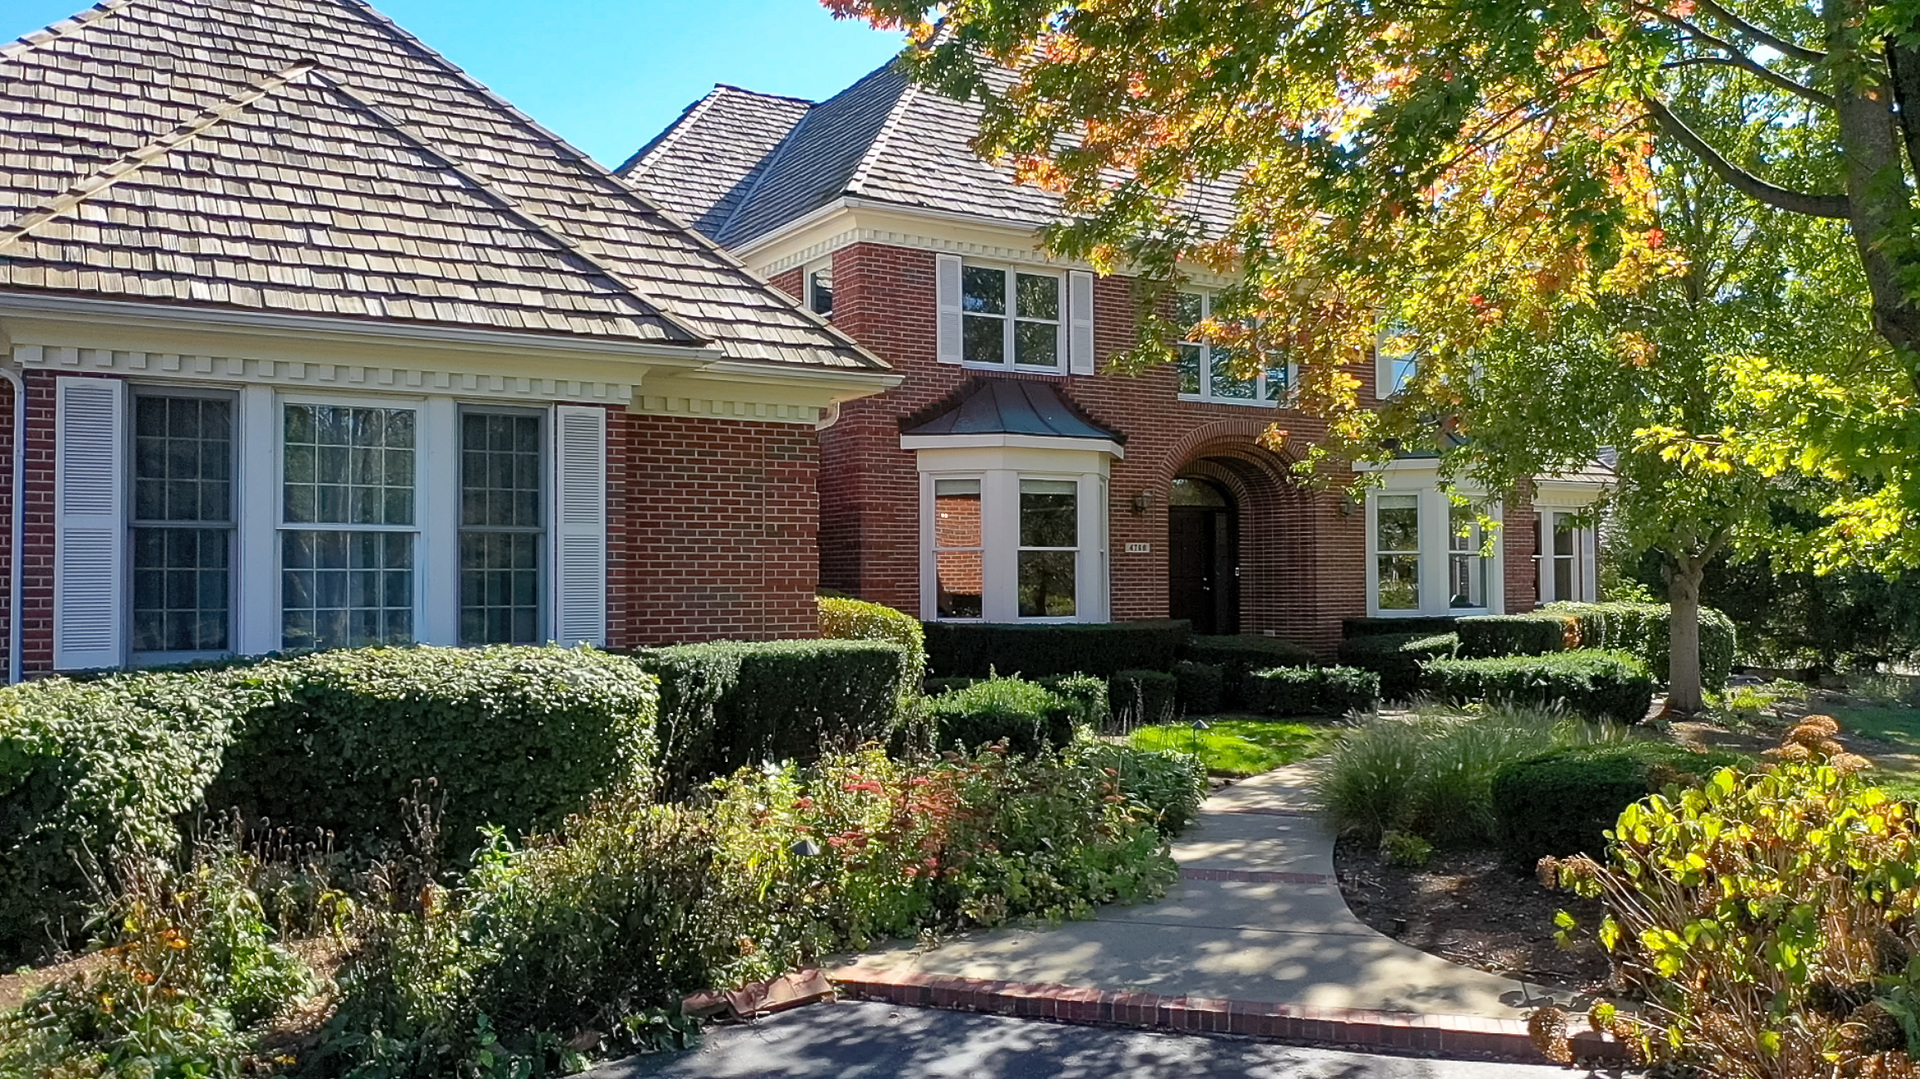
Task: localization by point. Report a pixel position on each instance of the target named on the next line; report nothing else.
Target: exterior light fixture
(806, 848)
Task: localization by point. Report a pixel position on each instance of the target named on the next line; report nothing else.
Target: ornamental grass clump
(1770, 920)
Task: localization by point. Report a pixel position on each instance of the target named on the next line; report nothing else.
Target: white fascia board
(1567, 494)
(1012, 442)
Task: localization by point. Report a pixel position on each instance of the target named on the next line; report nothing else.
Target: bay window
(1567, 558)
(1396, 532)
(1010, 318)
(1006, 538)
(1049, 547)
(1207, 372)
(958, 547)
(1428, 555)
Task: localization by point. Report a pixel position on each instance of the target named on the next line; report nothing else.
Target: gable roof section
(309, 157)
(886, 141)
(702, 166)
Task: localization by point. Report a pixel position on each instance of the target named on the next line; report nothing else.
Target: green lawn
(1895, 724)
(1237, 747)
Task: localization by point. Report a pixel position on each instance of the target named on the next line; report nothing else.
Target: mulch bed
(1475, 909)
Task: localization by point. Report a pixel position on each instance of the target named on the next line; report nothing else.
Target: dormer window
(820, 290)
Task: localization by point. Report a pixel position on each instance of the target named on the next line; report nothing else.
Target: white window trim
(544, 599)
(1385, 385)
(1062, 321)
(1000, 473)
(1436, 526)
(135, 391)
(1206, 396)
(1586, 584)
(806, 283)
(930, 548)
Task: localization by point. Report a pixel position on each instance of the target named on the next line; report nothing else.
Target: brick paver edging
(1459, 1036)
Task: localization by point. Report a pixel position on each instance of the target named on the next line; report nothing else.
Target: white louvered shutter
(947, 284)
(90, 529)
(580, 525)
(1080, 322)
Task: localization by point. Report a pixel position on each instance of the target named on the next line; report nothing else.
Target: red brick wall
(6, 515)
(711, 530)
(1520, 541)
(1302, 562)
(36, 562)
(791, 283)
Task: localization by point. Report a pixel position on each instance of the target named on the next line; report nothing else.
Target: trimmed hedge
(977, 650)
(1562, 803)
(857, 620)
(1202, 687)
(515, 737)
(1396, 658)
(90, 770)
(1145, 696)
(727, 704)
(1373, 627)
(1241, 655)
(1646, 629)
(1595, 684)
(1025, 714)
(1087, 694)
(1491, 635)
(1300, 691)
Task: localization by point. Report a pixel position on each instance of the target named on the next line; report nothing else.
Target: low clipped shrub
(937, 686)
(1144, 696)
(92, 772)
(1598, 685)
(1491, 635)
(976, 650)
(728, 704)
(1202, 687)
(857, 620)
(1561, 803)
(1088, 694)
(1371, 627)
(1025, 715)
(1241, 655)
(1396, 658)
(515, 737)
(1304, 691)
(1646, 630)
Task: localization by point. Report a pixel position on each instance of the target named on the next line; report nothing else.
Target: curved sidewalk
(1255, 939)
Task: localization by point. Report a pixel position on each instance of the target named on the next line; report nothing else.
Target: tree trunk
(1877, 184)
(1684, 696)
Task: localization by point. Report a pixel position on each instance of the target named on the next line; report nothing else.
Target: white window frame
(1261, 388)
(543, 545)
(1010, 319)
(999, 473)
(1475, 538)
(1421, 577)
(1392, 371)
(807, 289)
(931, 548)
(1417, 478)
(1584, 560)
(136, 391)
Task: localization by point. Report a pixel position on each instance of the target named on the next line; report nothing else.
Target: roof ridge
(513, 207)
(595, 168)
(807, 101)
(667, 138)
(134, 160)
(72, 24)
(858, 178)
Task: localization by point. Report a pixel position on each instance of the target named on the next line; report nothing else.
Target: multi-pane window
(182, 524)
(958, 548)
(1466, 563)
(501, 528)
(1049, 547)
(1564, 540)
(1396, 546)
(348, 525)
(1209, 372)
(1010, 319)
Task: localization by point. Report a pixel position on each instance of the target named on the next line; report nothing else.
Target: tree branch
(1765, 37)
(1783, 198)
(1761, 71)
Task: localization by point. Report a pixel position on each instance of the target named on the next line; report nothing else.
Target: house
(310, 340)
(1011, 477)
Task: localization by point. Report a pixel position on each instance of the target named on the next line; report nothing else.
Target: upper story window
(1011, 319)
(1395, 361)
(1207, 371)
(820, 290)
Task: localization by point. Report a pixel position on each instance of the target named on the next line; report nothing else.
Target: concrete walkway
(1256, 917)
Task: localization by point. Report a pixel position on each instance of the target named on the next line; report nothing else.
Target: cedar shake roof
(703, 164)
(880, 139)
(309, 157)
(1007, 406)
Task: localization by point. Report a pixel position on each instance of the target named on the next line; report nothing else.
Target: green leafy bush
(976, 650)
(94, 771)
(1396, 658)
(1492, 635)
(1405, 850)
(1202, 687)
(1646, 630)
(1144, 696)
(1167, 785)
(1563, 802)
(937, 686)
(1598, 685)
(858, 620)
(733, 703)
(1304, 691)
(516, 737)
(1025, 714)
(1088, 694)
(1239, 656)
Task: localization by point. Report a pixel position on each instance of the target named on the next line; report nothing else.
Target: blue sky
(608, 74)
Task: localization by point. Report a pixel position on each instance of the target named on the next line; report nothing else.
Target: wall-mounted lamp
(1349, 506)
(1143, 502)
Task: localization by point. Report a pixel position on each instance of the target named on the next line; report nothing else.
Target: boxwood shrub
(1370, 627)
(515, 737)
(1396, 658)
(732, 703)
(1025, 714)
(1202, 687)
(1088, 694)
(1591, 683)
(976, 650)
(90, 770)
(1302, 691)
(1487, 636)
(858, 620)
(1144, 696)
(1645, 629)
(1239, 656)
(1560, 803)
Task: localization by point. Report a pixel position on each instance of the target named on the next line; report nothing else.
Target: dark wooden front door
(1204, 568)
